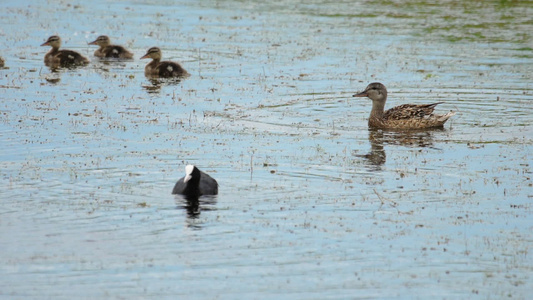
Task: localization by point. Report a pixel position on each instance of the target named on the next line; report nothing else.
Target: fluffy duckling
(107, 50)
(406, 116)
(195, 183)
(64, 58)
(163, 69)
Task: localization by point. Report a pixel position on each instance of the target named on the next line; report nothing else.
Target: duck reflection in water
(198, 190)
(410, 138)
(377, 156)
(158, 83)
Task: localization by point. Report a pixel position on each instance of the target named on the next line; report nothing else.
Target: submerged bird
(406, 116)
(107, 50)
(195, 183)
(163, 69)
(63, 58)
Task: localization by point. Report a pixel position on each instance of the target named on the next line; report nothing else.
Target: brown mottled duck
(63, 58)
(107, 50)
(161, 69)
(406, 116)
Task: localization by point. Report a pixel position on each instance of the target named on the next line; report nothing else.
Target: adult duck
(406, 116)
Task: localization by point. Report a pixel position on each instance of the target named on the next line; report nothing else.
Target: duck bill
(361, 94)
(145, 56)
(93, 43)
(45, 44)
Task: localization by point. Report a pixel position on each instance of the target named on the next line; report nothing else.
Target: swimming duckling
(63, 58)
(163, 69)
(406, 116)
(107, 50)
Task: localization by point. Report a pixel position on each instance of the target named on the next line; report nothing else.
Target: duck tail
(445, 117)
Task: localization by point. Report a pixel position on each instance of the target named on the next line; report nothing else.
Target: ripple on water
(89, 155)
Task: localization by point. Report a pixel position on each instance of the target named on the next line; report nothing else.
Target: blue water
(312, 204)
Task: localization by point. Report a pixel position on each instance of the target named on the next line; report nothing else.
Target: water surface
(312, 204)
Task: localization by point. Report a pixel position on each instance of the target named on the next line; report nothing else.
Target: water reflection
(54, 76)
(110, 67)
(158, 83)
(53, 79)
(411, 138)
(110, 61)
(56, 67)
(56, 70)
(377, 156)
(194, 205)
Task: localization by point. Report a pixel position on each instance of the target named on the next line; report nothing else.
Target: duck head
(102, 41)
(153, 53)
(375, 91)
(54, 41)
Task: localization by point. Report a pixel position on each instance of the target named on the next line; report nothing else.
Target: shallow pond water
(312, 204)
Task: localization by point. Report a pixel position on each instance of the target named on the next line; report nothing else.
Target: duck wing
(167, 69)
(115, 51)
(410, 111)
(69, 57)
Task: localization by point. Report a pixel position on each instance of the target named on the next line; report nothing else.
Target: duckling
(158, 68)
(64, 58)
(2, 62)
(110, 51)
(406, 116)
